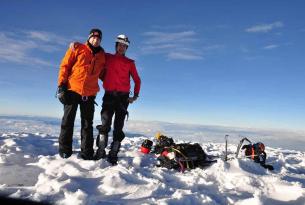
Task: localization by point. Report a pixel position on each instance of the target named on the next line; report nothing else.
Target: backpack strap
(253, 154)
(185, 157)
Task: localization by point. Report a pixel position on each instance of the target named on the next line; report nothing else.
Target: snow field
(31, 168)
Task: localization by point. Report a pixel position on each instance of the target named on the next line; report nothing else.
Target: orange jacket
(80, 70)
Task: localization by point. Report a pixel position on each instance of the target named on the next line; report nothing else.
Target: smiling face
(95, 40)
(121, 48)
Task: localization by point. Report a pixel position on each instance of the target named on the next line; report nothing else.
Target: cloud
(184, 56)
(158, 48)
(182, 45)
(47, 37)
(161, 37)
(264, 28)
(272, 46)
(172, 27)
(25, 47)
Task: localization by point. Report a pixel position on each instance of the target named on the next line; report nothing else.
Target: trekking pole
(226, 148)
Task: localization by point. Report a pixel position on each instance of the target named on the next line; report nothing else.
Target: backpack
(163, 142)
(182, 156)
(256, 152)
(179, 156)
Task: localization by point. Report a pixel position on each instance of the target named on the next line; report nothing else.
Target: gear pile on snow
(185, 156)
(177, 156)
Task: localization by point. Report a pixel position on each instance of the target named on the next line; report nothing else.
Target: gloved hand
(62, 94)
(132, 99)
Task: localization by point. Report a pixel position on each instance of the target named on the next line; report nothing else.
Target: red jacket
(118, 71)
(80, 70)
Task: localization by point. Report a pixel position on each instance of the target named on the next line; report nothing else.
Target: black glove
(62, 94)
(132, 99)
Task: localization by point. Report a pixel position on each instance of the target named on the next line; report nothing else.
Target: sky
(232, 63)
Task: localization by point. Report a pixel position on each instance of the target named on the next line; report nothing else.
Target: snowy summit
(31, 168)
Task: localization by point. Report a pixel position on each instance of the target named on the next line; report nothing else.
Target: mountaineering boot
(85, 156)
(64, 154)
(101, 143)
(113, 153)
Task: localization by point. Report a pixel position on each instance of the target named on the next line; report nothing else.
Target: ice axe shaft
(226, 148)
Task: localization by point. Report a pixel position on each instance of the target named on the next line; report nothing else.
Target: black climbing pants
(114, 103)
(86, 113)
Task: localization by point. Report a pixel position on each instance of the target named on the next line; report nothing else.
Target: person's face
(121, 48)
(95, 40)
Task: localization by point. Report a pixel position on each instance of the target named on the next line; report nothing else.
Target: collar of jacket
(119, 55)
(93, 49)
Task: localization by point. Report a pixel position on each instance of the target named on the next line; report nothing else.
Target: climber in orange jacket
(78, 85)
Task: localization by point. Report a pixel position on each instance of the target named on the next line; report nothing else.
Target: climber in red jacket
(116, 82)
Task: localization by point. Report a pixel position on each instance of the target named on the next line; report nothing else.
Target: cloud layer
(25, 47)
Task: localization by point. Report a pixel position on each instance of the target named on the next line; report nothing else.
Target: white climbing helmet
(122, 39)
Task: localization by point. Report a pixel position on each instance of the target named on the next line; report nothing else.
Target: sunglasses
(95, 35)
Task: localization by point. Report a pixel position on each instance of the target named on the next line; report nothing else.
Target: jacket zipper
(93, 66)
(85, 80)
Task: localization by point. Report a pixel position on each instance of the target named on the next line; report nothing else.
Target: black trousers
(67, 124)
(114, 103)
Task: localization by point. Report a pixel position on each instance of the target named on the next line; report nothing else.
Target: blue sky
(234, 63)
